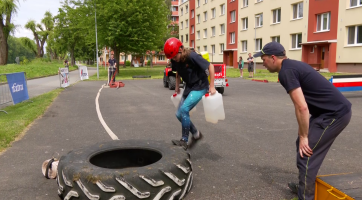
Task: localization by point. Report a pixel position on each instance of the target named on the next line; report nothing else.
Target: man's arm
(302, 114)
(212, 77)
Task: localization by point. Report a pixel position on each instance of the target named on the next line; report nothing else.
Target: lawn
(36, 68)
(21, 115)
(126, 73)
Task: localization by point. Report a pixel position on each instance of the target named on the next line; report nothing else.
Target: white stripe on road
(109, 131)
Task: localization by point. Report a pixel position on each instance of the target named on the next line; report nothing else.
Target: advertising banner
(18, 87)
(83, 73)
(64, 77)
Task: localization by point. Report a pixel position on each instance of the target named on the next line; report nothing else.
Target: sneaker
(241, 76)
(180, 143)
(194, 141)
(293, 187)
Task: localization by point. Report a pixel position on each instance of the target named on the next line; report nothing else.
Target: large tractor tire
(220, 90)
(171, 82)
(130, 169)
(165, 83)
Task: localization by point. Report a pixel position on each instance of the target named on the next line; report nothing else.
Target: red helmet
(172, 46)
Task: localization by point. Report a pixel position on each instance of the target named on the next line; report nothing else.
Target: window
(213, 13)
(161, 57)
(259, 20)
(355, 3)
(312, 49)
(222, 29)
(173, 19)
(298, 10)
(198, 49)
(221, 48)
(244, 46)
(258, 44)
(174, 8)
(205, 1)
(355, 35)
(192, 43)
(277, 16)
(198, 34)
(192, 29)
(296, 40)
(323, 22)
(182, 38)
(213, 49)
(187, 23)
(245, 3)
(245, 23)
(222, 7)
(187, 9)
(198, 19)
(205, 48)
(123, 57)
(182, 25)
(192, 14)
(187, 37)
(198, 3)
(182, 11)
(213, 31)
(232, 0)
(258, 1)
(232, 16)
(205, 16)
(232, 38)
(276, 39)
(205, 33)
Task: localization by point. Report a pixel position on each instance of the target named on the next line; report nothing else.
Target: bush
(128, 63)
(148, 63)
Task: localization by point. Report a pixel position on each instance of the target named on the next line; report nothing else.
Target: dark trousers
(111, 72)
(322, 133)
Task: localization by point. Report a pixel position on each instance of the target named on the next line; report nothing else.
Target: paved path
(250, 155)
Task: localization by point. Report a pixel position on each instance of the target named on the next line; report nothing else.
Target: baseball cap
(272, 48)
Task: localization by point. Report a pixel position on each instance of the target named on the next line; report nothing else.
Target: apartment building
(323, 33)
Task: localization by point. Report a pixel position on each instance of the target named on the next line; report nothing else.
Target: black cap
(272, 48)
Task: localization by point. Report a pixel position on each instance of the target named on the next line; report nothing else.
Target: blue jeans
(183, 110)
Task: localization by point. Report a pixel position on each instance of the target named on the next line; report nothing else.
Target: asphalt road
(249, 155)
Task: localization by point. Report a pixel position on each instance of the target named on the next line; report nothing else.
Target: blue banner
(17, 86)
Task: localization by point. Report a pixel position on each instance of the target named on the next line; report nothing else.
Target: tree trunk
(72, 56)
(116, 56)
(3, 48)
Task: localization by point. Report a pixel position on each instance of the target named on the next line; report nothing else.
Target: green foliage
(148, 62)
(128, 63)
(17, 49)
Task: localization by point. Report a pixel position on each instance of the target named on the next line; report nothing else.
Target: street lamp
(95, 8)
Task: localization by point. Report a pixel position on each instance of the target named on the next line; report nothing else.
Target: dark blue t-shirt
(193, 72)
(321, 96)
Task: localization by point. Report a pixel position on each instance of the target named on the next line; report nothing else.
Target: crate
(339, 186)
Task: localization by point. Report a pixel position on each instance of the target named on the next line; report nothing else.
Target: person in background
(241, 66)
(112, 68)
(66, 64)
(250, 66)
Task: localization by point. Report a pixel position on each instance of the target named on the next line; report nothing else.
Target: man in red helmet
(194, 72)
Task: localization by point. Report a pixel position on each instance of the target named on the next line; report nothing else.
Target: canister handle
(330, 192)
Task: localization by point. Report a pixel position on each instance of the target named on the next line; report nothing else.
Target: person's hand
(177, 90)
(212, 90)
(304, 147)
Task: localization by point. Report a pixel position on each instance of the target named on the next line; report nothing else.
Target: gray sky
(33, 10)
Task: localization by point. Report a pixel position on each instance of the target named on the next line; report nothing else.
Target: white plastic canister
(176, 98)
(213, 107)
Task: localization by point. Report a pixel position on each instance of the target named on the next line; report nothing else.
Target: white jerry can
(176, 98)
(213, 107)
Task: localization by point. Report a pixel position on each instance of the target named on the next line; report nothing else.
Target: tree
(22, 48)
(7, 9)
(41, 31)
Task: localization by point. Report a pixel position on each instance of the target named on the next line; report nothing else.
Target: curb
(263, 81)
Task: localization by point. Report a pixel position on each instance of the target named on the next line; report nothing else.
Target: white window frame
(205, 48)
(244, 46)
(213, 13)
(198, 48)
(358, 3)
(312, 50)
(173, 18)
(205, 16)
(198, 3)
(205, 33)
(355, 34)
(161, 57)
(260, 24)
(232, 16)
(192, 43)
(192, 14)
(205, 2)
(187, 38)
(222, 29)
(213, 31)
(297, 10)
(245, 23)
(276, 16)
(275, 39)
(198, 19)
(182, 11)
(222, 46)
(186, 9)
(232, 38)
(222, 8)
(258, 44)
(182, 38)
(320, 23)
(213, 49)
(198, 35)
(258, 1)
(182, 25)
(186, 23)
(192, 29)
(245, 3)
(296, 41)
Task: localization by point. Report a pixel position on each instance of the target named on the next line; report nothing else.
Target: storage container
(176, 98)
(213, 107)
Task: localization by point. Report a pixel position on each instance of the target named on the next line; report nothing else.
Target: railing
(5, 95)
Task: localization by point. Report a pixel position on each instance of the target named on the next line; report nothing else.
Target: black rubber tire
(165, 83)
(220, 90)
(79, 177)
(171, 82)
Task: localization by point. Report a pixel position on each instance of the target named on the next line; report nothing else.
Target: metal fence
(5, 95)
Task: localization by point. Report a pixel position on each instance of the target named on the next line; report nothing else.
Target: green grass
(263, 74)
(126, 73)
(36, 68)
(21, 115)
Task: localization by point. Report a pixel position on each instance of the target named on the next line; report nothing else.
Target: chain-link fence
(5, 95)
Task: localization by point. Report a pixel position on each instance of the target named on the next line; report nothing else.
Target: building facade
(323, 33)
